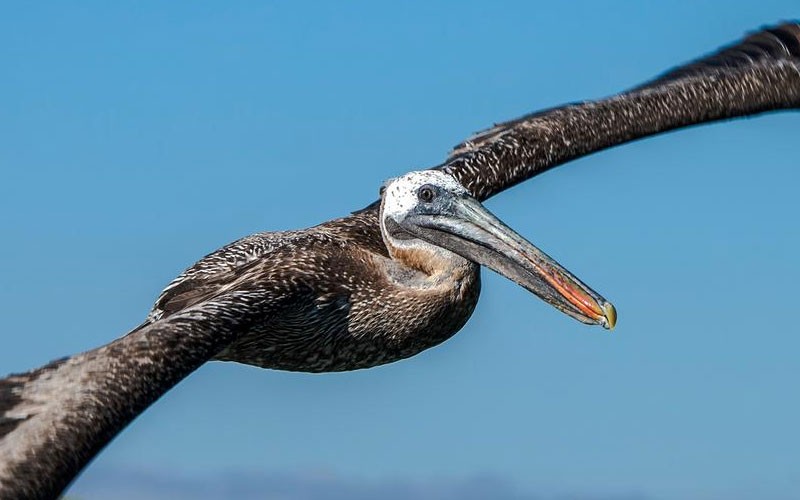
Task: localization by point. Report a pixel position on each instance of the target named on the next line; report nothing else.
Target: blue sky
(137, 137)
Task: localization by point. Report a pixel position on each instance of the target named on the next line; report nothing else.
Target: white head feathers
(401, 194)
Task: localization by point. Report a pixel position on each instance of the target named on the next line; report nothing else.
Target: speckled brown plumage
(321, 299)
(333, 305)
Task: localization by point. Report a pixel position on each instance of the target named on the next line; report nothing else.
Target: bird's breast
(398, 321)
(361, 316)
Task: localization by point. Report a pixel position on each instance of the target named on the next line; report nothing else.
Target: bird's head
(425, 212)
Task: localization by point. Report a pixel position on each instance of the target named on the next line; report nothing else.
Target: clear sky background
(135, 137)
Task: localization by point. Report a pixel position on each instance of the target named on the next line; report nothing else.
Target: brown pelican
(379, 285)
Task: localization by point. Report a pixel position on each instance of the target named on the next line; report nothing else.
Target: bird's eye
(426, 193)
(381, 191)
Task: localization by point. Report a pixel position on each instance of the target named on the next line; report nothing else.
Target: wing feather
(760, 73)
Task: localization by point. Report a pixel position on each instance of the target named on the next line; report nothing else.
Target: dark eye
(426, 193)
(381, 191)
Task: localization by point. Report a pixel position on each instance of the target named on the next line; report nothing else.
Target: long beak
(471, 231)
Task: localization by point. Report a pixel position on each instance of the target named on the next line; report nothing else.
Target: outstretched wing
(766, 46)
(760, 73)
(53, 420)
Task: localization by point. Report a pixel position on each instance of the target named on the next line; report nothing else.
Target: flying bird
(382, 284)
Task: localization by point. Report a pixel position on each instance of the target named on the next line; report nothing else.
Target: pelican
(382, 284)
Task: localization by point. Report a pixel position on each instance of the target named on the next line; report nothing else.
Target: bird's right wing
(760, 73)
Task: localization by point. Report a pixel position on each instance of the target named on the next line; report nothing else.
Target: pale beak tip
(609, 315)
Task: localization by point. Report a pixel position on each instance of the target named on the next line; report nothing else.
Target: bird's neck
(421, 256)
(425, 260)
(437, 264)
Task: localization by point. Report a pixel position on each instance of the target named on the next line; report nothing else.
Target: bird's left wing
(760, 73)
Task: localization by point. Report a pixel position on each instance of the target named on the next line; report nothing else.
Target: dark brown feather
(760, 73)
(771, 44)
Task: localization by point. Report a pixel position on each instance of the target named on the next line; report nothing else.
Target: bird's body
(379, 285)
(337, 300)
